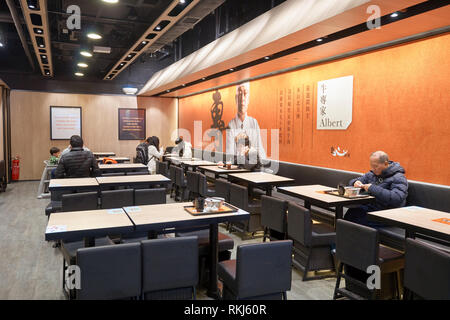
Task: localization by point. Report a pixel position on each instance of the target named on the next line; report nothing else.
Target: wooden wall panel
(30, 126)
(400, 105)
(161, 116)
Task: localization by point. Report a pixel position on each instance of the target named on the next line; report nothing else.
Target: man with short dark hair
(386, 182)
(77, 163)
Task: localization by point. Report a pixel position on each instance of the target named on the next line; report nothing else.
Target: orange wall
(401, 105)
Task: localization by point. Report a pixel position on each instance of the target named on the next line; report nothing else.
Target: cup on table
(199, 203)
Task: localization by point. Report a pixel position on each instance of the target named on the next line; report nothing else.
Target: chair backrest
(299, 224)
(79, 201)
(113, 174)
(164, 169)
(239, 196)
(427, 271)
(356, 245)
(117, 198)
(172, 172)
(202, 185)
(158, 166)
(263, 268)
(193, 181)
(169, 263)
(110, 272)
(222, 188)
(273, 213)
(149, 196)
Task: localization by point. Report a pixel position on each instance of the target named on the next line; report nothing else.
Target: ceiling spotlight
(183, 85)
(86, 53)
(1, 44)
(47, 72)
(82, 65)
(144, 42)
(203, 78)
(231, 69)
(182, 1)
(266, 58)
(319, 40)
(110, 1)
(394, 15)
(79, 74)
(41, 45)
(158, 28)
(129, 90)
(93, 35)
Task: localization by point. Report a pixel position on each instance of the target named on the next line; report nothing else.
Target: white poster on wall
(64, 122)
(335, 103)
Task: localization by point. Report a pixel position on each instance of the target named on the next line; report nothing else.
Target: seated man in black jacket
(246, 157)
(77, 163)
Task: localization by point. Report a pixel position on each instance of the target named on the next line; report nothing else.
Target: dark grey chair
(78, 202)
(205, 190)
(169, 268)
(225, 246)
(172, 177)
(117, 198)
(149, 196)
(222, 188)
(427, 272)
(274, 218)
(313, 242)
(192, 184)
(113, 174)
(239, 198)
(111, 272)
(180, 183)
(357, 248)
(260, 271)
(164, 169)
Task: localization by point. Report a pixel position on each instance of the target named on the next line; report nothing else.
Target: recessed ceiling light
(394, 15)
(1, 44)
(82, 64)
(31, 6)
(267, 58)
(144, 42)
(203, 78)
(231, 69)
(183, 85)
(47, 72)
(41, 45)
(168, 90)
(182, 1)
(79, 74)
(86, 53)
(110, 1)
(44, 57)
(94, 36)
(319, 40)
(158, 28)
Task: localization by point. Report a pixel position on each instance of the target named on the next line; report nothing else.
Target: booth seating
(432, 196)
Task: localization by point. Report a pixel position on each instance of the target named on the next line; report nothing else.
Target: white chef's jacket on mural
(251, 128)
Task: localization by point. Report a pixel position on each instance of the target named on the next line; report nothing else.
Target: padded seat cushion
(225, 242)
(322, 235)
(226, 270)
(387, 254)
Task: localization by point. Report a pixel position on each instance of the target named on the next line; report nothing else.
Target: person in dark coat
(77, 163)
(386, 182)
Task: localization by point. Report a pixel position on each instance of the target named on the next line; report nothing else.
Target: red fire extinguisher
(15, 168)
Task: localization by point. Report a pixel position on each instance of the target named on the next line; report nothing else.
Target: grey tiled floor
(32, 269)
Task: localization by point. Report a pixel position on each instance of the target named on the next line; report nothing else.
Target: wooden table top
(173, 215)
(73, 182)
(133, 179)
(220, 169)
(316, 192)
(434, 220)
(122, 166)
(63, 224)
(260, 177)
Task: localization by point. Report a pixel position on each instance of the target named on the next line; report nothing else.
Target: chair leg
(194, 293)
(307, 265)
(265, 234)
(284, 295)
(338, 280)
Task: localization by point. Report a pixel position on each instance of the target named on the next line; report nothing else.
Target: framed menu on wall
(64, 122)
(131, 124)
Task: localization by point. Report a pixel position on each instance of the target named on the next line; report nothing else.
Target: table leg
(214, 256)
(89, 242)
(339, 212)
(307, 205)
(269, 191)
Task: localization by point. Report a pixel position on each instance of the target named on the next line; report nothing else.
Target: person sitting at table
(183, 148)
(386, 182)
(77, 163)
(154, 152)
(67, 150)
(246, 156)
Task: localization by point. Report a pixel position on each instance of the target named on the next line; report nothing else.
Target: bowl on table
(351, 192)
(214, 204)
